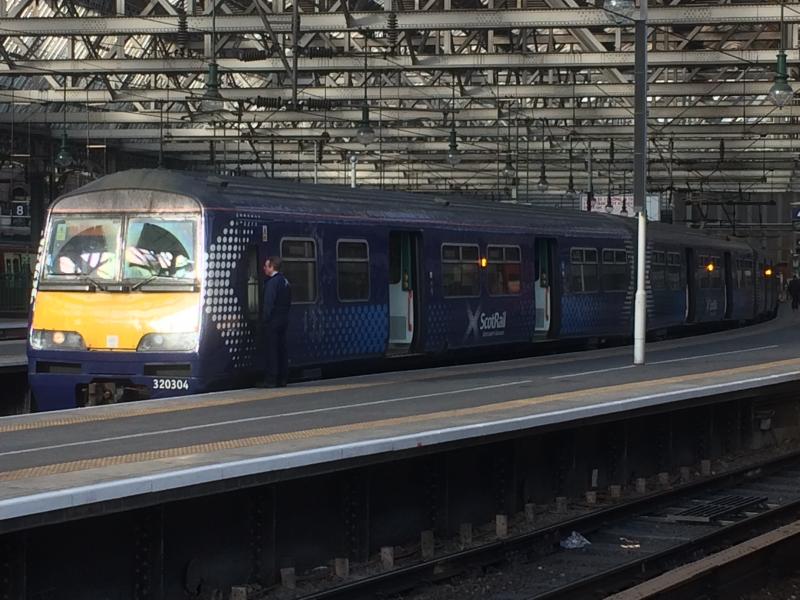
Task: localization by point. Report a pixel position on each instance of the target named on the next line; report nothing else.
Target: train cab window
(583, 270)
(674, 271)
(460, 270)
(158, 247)
(300, 267)
(83, 246)
(352, 270)
(504, 270)
(615, 270)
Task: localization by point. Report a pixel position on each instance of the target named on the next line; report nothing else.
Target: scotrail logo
(494, 324)
(483, 325)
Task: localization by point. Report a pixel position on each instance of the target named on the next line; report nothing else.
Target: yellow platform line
(244, 396)
(134, 409)
(447, 416)
(237, 396)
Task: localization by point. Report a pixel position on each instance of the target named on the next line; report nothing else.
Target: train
(148, 282)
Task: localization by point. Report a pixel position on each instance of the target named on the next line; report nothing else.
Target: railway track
(729, 573)
(630, 541)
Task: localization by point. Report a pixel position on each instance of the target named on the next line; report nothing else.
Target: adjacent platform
(15, 329)
(64, 460)
(12, 355)
(12, 345)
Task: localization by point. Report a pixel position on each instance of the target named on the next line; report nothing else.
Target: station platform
(13, 329)
(13, 333)
(71, 460)
(12, 355)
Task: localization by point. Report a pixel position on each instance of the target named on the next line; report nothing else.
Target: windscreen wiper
(144, 282)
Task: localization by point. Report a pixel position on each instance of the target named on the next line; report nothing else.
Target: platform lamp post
(624, 8)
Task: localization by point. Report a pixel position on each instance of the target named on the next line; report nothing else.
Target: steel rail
(445, 566)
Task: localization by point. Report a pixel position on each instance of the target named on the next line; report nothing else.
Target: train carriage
(149, 282)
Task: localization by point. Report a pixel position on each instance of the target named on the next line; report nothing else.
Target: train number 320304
(170, 384)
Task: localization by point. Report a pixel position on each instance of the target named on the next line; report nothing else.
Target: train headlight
(168, 342)
(45, 339)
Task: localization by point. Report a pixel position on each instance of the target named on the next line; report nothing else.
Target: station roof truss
(278, 88)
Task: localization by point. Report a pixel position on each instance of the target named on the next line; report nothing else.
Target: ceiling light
(509, 171)
(365, 133)
(64, 157)
(781, 92)
(543, 185)
(453, 155)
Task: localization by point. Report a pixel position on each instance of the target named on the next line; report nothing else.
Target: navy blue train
(148, 282)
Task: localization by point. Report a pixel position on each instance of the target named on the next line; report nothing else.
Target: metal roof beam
(390, 115)
(422, 92)
(686, 58)
(419, 20)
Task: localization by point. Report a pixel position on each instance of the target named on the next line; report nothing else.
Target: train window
(83, 246)
(746, 273)
(615, 270)
(702, 272)
(674, 271)
(352, 270)
(160, 247)
(504, 270)
(300, 267)
(460, 270)
(253, 284)
(451, 252)
(583, 270)
(658, 267)
(494, 253)
(469, 253)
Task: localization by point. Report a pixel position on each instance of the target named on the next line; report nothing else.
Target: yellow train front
(116, 312)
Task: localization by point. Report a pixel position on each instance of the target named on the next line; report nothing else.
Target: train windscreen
(129, 249)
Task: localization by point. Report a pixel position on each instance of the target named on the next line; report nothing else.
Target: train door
(691, 282)
(543, 285)
(758, 278)
(403, 283)
(770, 290)
(728, 285)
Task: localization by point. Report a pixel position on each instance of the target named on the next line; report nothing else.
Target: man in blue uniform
(275, 317)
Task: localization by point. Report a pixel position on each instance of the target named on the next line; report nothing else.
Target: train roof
(214, 192)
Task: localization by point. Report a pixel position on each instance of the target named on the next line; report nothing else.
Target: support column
(640, 181)
(149, 554)
(262, 532)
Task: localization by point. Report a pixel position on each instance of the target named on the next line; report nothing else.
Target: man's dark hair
(275, 261)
